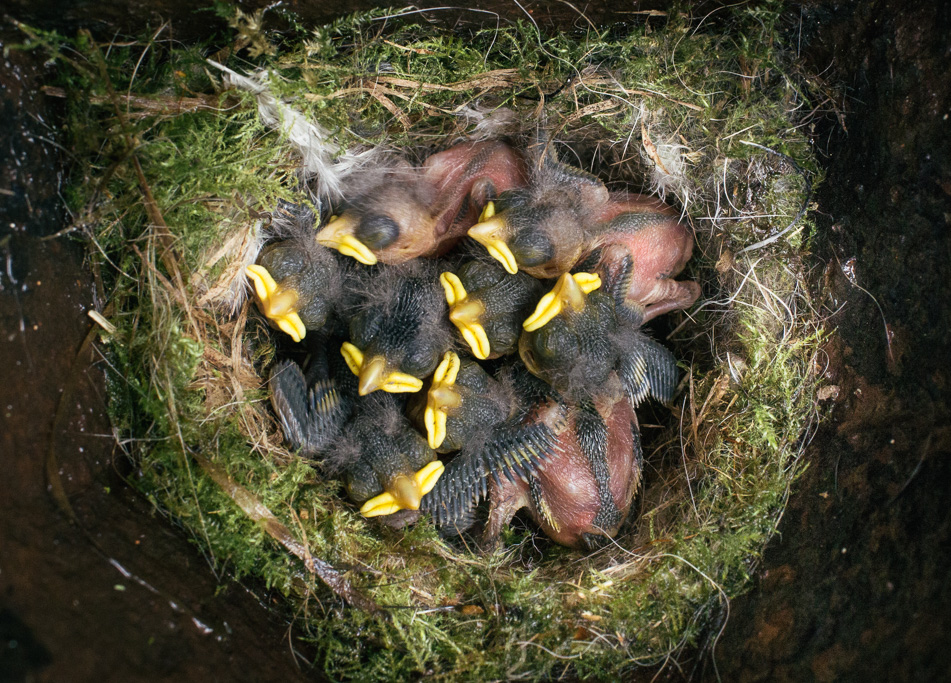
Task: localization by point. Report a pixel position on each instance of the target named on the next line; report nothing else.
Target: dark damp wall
(857, 586)
(854, 589)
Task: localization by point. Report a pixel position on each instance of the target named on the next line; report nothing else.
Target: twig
(274, 528)
(147, 106)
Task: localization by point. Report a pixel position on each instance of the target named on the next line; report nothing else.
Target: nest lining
(664, 107)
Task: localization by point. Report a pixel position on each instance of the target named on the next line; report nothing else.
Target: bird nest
(179, 164)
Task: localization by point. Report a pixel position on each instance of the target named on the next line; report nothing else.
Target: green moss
(721, 470)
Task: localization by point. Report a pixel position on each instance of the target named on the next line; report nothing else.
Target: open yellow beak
(275, 303)
(338, 234)
(570, 290)
(465, 315)
(488, 232)
(372, 373)
(404, 493)
(442, 398)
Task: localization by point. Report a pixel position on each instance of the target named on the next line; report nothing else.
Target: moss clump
(174, 182)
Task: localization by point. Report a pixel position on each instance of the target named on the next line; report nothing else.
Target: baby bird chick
(542, 229)
(297, 282)
(487, 305)
(577, 341)
(487, 420)
(642, 246)
(423, 211)
(387, 466)
(583, 494)
(399, 332)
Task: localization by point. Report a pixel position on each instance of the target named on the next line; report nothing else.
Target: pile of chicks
(518, 353)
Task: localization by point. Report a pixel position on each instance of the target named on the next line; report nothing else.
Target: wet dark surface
(119, 595)
(855, 589)
(857, 586)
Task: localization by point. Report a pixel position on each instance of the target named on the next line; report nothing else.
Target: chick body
(584, 492)
(297, 282)
(487, 305)
(409, 212)
(399, 330)
(545, 228)
(641, 246)
(387, 466)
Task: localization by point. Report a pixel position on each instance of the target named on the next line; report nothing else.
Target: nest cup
(710, 116)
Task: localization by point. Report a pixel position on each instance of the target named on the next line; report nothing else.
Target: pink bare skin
(460, 181)
(425, 210)
(646, 232)
(465, 177)
(568, 485)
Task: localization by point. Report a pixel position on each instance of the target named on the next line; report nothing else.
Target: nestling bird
(641, 246)
(487, 305)
(297, 282)
(545, 228)
(577, 339)
(574, 466)
(488, 420)
(410, 212)
(400, 330)
(583, 494)
(387, 466)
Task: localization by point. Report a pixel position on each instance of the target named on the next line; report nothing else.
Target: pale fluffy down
(321, 158)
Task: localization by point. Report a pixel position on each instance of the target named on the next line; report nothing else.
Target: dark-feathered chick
(297, 282)
(543, 229)
(490, 420)
(407, 212)
(577, 340)
(399, 331)
(574, 466)
(641, 246)
(386, 465)
(463, 405)
(487, 305)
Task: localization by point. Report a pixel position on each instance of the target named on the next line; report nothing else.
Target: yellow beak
(489, 233)
(275, 303)
(570, 290)
(338, 234)
(404, 493)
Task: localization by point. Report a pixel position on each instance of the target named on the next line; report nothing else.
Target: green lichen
(185, 370)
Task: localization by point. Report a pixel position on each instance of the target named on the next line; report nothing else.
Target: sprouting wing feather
(311, 420)
(513, 452)
(648, 369)
(592, 435)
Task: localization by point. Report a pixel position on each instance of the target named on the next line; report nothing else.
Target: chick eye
(377, 231)
(531, 248)
(364, 328)
(420, 360)
(555, 343)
